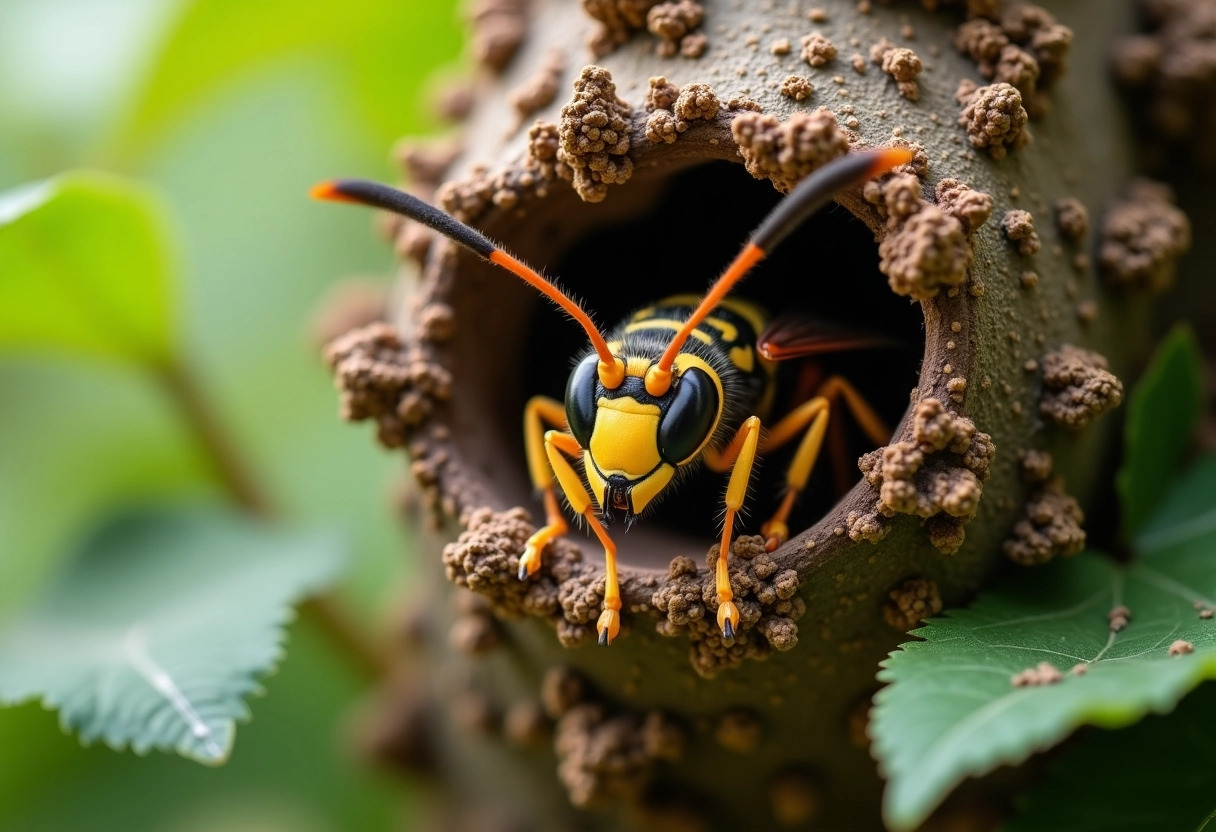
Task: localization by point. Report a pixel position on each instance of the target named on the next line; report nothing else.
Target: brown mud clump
(1072, 218)
(475, 631)
(594, 134)
(929, 251)
(914, 601)
(567, 591)
(661, 127)
(673, 111)
(970, 207)
(618, 19)
(902, 64)
(695, 102)
(993, 117)
(661, 94)
(764, 593)
(797, 87)
(499, 27)
(1036, 465)
(786, 151)
(817, 50)
(545, 154)
(896, 197)
(1051, 526)
(1077, 387)
(1024, 47)
(673, 24)
(1142, 236)
(1049, 41)
(929, 246)
(604, 757)
(1018, 226)
(937, 475)
(383, 380)
(539, 90)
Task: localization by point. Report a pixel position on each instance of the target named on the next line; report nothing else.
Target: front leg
(538, 412)
(556, 444)
(740, 457)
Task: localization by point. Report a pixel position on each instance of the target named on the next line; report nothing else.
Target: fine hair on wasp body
(682, 384)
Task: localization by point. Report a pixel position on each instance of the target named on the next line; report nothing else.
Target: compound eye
(690, 418)
(581, 399)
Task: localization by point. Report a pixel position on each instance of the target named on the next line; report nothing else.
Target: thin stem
(222, 454)
(325, 613)
(328, 615)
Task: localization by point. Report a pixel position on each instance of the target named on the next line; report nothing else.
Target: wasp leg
(812, 416)
(539, 411)
(740, 457)
(571, 485)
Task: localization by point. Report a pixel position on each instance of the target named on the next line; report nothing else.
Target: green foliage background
(225, 112)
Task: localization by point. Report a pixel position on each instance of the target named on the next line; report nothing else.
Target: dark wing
(795, 336)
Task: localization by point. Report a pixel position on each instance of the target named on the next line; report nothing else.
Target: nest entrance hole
(673, 233)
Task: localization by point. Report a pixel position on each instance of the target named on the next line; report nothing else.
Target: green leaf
(85, 268)
(1159, 775)
(1161, 418)
(156, 632)
(951, 711)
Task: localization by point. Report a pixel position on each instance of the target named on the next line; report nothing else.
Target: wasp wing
(795, 336)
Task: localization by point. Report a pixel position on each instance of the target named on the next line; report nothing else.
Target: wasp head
(633, 442)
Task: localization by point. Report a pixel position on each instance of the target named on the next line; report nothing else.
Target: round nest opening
(672, 231)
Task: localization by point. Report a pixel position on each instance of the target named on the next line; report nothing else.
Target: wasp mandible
(679, 384)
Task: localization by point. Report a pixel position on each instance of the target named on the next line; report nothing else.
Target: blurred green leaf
(292, 769)
(78, 442)
(85, 268)
(155, 633)
(1159, 775)
(384, 48)
(1161, 418)
(951, 711)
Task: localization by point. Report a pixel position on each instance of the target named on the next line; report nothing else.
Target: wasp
(682, 384)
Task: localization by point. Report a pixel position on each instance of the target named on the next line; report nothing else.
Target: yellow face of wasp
(624, 467)
(634, 441)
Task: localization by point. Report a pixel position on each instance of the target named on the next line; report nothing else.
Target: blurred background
(227, 110)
